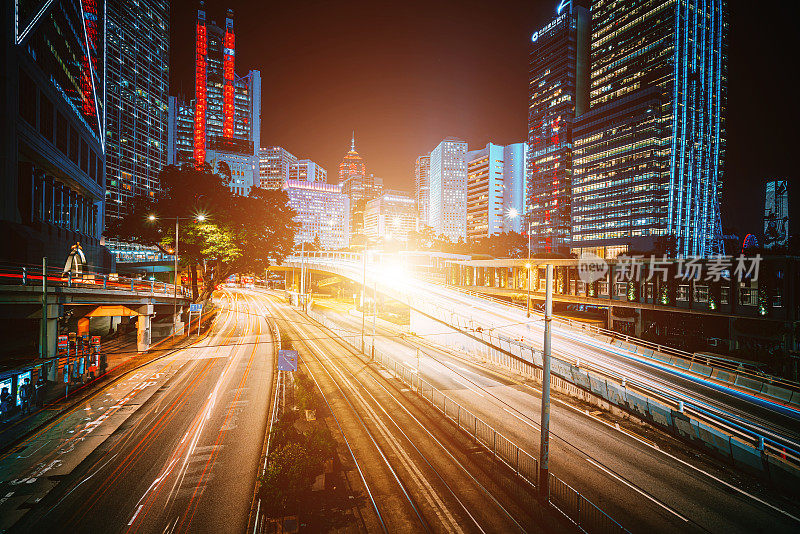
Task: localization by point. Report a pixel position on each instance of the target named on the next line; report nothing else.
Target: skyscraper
(308, 170)
(422, 189)
(448, 189)
(777, 229)
(391, 217)
(137, 89)
(226, 106)
(649, 154)
(323, 212)
(274, 166)
(558, 90)
(495, 189)
(52, 119)
(360, 188)
(352, 163)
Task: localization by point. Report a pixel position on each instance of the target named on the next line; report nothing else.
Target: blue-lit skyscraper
(649, 153)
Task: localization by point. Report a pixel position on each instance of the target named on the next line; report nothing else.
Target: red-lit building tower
(200, 88)
(352, 163)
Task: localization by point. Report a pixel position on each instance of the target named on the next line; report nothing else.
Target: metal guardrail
(707, 367)
(567, 500)
(32, 276)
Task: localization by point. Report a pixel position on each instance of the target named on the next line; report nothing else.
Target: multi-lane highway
(173, 447)
(766, 418)
(646, 481)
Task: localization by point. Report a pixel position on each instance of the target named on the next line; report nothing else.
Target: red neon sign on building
(200, 97)
(227, 91)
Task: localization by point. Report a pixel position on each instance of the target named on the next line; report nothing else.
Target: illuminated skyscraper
(322, 211)
(649, 153)
(310, 171)
(137, 92)
(558, 90)
(448, 189)
(274, 166)
(391, 217)
(225, 106)
(352, 163)
(422, 190)
(52, 132)
(777, 227)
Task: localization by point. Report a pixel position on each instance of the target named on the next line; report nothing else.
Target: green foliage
(239, 235)
(288, 477)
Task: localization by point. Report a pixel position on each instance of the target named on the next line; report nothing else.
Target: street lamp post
(199, 218)
(513, 214)
(544, 454)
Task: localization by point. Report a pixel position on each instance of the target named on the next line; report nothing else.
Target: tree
(239, 234)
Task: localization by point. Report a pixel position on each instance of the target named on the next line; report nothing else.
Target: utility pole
(528, 265)
(43, 343)
(175, 287)
(374, 313)
(303, 275)
(363, 298)
(544, 456)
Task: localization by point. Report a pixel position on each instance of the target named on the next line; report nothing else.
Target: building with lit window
(495, 189)
(137, 92)
(360, 188)
(225, 105)
(422, 187)
(779, 225)
(448, 189)
(274, 163)
(323, 212)
(307, 170)
(649, 154)
(391, 216)
(558, 90)
(52, 146)
(352, 163)
(234, 157)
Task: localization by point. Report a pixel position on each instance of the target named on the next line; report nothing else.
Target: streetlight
(200, 218)
(513, 214)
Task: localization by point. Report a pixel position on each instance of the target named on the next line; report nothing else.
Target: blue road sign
(195, 308)
(287, 360)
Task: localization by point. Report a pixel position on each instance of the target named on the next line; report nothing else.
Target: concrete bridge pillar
(50, 330)
(143, 331)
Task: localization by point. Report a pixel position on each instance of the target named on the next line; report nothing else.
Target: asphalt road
(648, 483)
(174, 447)
(422, 478)
(746, 410)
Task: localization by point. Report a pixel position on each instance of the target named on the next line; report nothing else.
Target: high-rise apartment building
(422, 189)
(391, 217)
(323, 212)
(225, 106)
(352, 163)
(448, 189)
(52, 119)
(649, 153)
(495, 189)
(558, 91)
(137, 92)
(307, 170)
(274, 163)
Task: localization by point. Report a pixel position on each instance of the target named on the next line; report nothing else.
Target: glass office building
(274, 163)
(422, 187)
(558, 90)
(137, 95)
(323, 212)
(448, 189)
(662, 62)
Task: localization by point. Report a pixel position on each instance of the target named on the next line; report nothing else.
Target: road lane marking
(139, 509)
(637, 490)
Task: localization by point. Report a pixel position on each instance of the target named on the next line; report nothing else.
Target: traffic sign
(195, 308)
(287, 360)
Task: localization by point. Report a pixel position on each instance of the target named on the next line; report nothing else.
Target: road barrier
(570, 502)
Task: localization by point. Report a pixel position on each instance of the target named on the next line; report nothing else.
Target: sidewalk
(121, 356)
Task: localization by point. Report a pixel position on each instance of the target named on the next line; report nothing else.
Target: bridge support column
(50, 331)
(143, 331)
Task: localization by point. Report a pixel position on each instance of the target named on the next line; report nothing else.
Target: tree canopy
(237, 234)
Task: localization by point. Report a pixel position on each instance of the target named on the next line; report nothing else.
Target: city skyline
(480, 98)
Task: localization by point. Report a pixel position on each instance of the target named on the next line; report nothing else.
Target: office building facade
(274, 163)
(137, 93)
(52, 148)
(448, 189)
(360, 189)
(234, 158)
(515, 186)
(422, 187)
(225, 105)
(323, 212)
(307, 170)
(664, 63)
(558, 91)
(485, 210)
(391, 217)
(777, 228)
